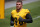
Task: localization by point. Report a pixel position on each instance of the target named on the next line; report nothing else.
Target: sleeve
(27, 11)
(12, 21)
(28, 18)
(11, 13)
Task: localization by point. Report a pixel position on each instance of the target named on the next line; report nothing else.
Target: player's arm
(12, 21)
(27, 20)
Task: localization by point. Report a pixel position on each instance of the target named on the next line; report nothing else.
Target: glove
(20, 19)
(12, 23)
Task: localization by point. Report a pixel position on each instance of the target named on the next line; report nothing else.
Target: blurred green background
(33, 7)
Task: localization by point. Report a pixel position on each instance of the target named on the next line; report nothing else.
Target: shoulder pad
(27, 11)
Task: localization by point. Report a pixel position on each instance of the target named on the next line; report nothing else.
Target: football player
(20, 16)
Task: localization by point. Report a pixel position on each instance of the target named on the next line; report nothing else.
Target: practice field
(34, 8)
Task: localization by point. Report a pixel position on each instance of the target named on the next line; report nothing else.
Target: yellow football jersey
(16, 16)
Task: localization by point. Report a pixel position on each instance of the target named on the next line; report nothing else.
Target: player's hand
(12, 23)
(20, 19)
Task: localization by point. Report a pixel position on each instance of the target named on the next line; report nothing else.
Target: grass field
(34, 8)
